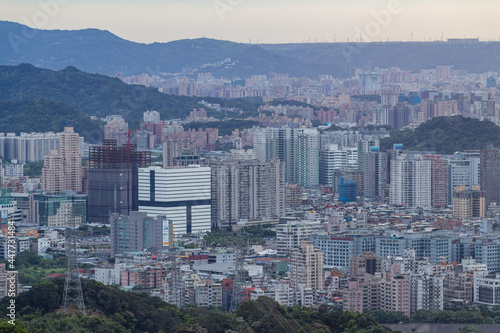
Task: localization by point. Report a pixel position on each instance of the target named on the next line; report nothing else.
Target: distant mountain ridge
(98, 51)
(480, 57)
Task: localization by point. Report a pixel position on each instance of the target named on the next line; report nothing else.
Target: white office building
(181, 194)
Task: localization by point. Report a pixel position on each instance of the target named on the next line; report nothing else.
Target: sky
(261, 21)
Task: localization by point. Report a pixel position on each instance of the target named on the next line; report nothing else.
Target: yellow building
(468, 203)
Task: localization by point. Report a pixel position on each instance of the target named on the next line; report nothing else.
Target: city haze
(265, 22)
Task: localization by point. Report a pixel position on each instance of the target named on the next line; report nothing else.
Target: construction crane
(129, 135)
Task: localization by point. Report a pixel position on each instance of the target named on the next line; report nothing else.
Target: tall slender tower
(439, 179)
(73, 294)
(63, 171)
(72, 159)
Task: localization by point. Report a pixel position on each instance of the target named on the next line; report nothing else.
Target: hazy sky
(273, 21)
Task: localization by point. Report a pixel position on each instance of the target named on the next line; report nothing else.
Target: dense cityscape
(219, 196)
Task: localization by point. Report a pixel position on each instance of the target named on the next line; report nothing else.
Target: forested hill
(112, 310)
(446, 135)
(93, 94)
(44, 116)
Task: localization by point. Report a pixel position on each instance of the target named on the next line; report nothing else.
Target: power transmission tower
(73, 294)
(239, 273)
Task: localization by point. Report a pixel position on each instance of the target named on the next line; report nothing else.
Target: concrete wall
(440, 328)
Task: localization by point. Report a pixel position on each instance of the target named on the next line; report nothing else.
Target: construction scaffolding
(110, 156)
(111, 176)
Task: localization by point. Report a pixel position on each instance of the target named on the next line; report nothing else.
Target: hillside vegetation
(92, 94)
(446, 135)
(44, 115)
(112, 310)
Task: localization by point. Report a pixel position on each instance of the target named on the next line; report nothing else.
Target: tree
(469, 329)
(18, 327)
(33, 169)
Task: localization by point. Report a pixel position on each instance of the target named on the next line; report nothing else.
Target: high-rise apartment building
(363, 294)
(490, 174)
(174, 148)
(305, 156)
(116, 128)
(307, 266)
(426, 292)
(298, 148)
(468, 203)
(369, 83)
(248, 190)
(443, 72)
(398, 116)
(395, 292)
(439, 180)
(151, 117)
(410, 182)
(367, 263)
(29, 147)
(375, 174)
(407, 285)
(72, 159)
(183, 195)
(364, 146)
(293, 195)
(290, 235)
(53, 179)
(63, 171)
(138, 232)
(207, 293)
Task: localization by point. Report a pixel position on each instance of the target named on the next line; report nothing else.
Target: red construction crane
(129, 135)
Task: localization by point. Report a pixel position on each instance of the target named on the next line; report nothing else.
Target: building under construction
(490, 174)
(112, 173)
